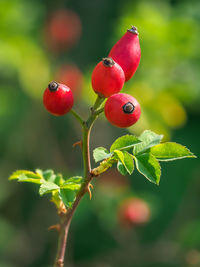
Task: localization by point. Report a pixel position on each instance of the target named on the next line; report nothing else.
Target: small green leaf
(125, 162)
(121, 169)
(59, 179)
(48, 187)
(119, 155)
(148, 139)
(124, 142)
(147, 165)
(171, 151)
(28, 174)
(24, 178)
(101, 153)
(49, 175)
(128, 162)
(73, 183)
(68, 197)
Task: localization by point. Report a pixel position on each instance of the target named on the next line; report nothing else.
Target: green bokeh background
(167, 85)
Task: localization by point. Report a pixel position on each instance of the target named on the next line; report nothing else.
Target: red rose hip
(122, 110)
(126, 52)
(58, 99)
(107, 78)
(134, 211)
(62, 30)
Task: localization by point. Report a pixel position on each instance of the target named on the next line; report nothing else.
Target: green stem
(86, 151)
(73, 112)
(94, 114)
(98, 102)
(66, 218)
(99, 111)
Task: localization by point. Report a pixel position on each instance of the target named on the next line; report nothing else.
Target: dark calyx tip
(108, 62)
(53, 86)
(133, 30)
(128, 108)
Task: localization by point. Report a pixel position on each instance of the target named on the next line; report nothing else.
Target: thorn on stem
(89, 190)
(55, 227)
(79, 143)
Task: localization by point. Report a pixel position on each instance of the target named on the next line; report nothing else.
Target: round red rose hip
(134, 211)
(107, 78)
(122, 110)
(58, 99)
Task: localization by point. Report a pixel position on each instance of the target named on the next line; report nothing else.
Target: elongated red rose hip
(126, 52)
(122, 110)
(58, 99)
(107, 78)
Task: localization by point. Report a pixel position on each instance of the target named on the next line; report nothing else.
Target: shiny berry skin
(58, 99)
(134, 211)
(122, 110)
(107, 78)
(126, 52)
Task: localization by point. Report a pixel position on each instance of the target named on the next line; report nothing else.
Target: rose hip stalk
(107, 78)
(126, 52)
(122, 110)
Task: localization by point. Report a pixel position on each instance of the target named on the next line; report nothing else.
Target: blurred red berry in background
(134, 211)
(72, 76)
(62, 30)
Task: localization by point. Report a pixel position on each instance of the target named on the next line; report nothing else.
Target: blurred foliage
(167, 85)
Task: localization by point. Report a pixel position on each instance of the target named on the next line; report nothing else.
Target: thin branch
(99, 111)
(66, 218)
(75, 114)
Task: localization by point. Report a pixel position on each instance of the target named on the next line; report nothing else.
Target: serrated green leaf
(73, 183)
(28, 174)
(148, 139)
(101, 153)
(121, 169)
(24, 178)
(48, 187)
(68, 197)
(128, 162)
(171, 151)
(124, 143)
(39, 172)
(148, 166)
(49, 175)
(59, 179)
(75, 180)
(125, 162)
(119, 155)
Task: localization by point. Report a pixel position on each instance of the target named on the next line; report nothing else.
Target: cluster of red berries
(108, 78)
